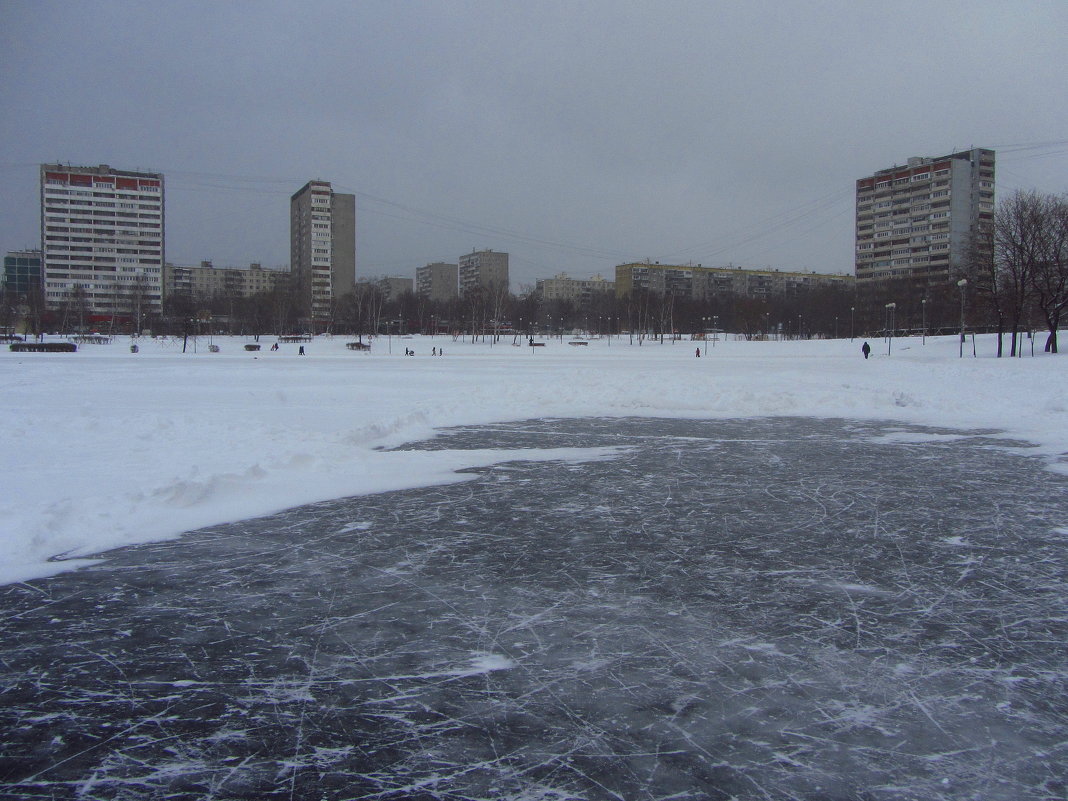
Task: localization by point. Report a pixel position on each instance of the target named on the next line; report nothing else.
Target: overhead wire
(811, 214)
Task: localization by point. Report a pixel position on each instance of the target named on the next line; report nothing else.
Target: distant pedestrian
(433, 351)
(301, 350)
(274, 346)
(865, 349)
(441, 352)
(698, 353)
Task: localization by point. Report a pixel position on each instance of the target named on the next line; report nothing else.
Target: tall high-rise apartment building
(437, 281)
(487, 269)
(102, 240)
(919, 219)
(322, 236)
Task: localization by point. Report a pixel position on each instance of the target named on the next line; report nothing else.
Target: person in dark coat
(865, 349)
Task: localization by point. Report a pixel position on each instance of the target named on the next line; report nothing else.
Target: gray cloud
(575, 136)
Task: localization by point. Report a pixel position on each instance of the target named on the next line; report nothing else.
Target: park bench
(43, 347)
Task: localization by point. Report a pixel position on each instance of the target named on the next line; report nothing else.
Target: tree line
(1013, 283)
(1019, 268)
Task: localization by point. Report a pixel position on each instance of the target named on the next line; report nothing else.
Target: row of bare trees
(1020, 267)
(1016, 281)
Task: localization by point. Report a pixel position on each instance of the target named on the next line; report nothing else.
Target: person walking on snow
(865, 349)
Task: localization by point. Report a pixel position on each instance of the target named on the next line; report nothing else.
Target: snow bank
(106, 447)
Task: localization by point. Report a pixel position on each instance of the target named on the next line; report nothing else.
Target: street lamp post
(852, 309)
(715, 329)
(923, 312)
(891, 311)
(962, 283)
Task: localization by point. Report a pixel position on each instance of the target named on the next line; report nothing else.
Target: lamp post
(923, 313)
(799, 326)
(852, 316)
(704, 332)
(836, 326)
(715, 328)
(962, 283)
(891, 310)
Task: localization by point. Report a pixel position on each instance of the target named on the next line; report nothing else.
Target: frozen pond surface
(751, 609)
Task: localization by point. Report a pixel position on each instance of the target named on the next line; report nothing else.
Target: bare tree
(1049, 277)
(1018, 234)
(982, 271)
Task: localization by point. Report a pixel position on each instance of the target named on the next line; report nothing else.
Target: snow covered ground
(105, 447)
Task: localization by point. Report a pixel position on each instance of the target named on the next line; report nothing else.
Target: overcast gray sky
(574, 135)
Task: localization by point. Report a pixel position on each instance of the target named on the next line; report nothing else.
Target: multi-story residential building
(573, 290)
(697, 282)
(393, 287)
(322, 235)
(102, 240)
(919, 219)
(22, 273)
(207, 281)
(437, 281)
(485, 269)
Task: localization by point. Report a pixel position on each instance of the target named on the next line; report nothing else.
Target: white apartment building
(487, 269)
(322, 235)
(102, 240)
(918, 219)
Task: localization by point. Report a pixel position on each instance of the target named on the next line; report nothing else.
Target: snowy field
(106, 447)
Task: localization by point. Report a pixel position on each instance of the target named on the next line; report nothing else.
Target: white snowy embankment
(105, 447)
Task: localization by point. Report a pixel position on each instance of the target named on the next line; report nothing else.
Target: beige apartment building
(437, 281)
(697, 282)
(207, 281)
(392, 287)
(573, 290)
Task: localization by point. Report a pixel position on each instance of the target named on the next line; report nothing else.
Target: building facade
(206, 281)
(322, 235)
(22, 273)
(484, 269)
(437, 281)
(102, 240)
(392, 287)
(699, 283)
(580, 291)
(918, 220)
